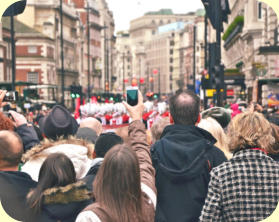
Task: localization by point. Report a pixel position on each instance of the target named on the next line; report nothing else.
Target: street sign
(210, 92)
(15, 9)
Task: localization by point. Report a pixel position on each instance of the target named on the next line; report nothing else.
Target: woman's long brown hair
(117, 186)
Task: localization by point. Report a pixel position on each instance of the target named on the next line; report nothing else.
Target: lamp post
(13, 52)
(88, 51)
(194, 57)
(123, 81)
(62, 52)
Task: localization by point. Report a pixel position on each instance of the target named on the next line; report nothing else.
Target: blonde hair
(250, 129)
(158, 128)
(211, 125)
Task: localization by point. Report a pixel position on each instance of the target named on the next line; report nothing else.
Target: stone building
(35, 60)
(249, 47)
(122, 62)
(5, 54)
(43, 16)
(157, 42)
(93, 22)
(107, 45)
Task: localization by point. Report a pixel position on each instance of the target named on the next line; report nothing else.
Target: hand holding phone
(11, 96)
(135, 111)
(132, 95)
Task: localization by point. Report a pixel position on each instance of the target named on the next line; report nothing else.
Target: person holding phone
(124, 187)
(21, 127)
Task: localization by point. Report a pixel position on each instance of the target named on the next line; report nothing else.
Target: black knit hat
(59, 122)
(87, 134)
(105, 142)
(220, 114)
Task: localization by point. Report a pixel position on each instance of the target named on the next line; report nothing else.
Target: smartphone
(9, 115)
(132, 95)
(11, 96)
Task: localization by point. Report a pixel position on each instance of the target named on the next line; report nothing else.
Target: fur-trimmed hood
(78, 150)
(64, 203)
(75, 192)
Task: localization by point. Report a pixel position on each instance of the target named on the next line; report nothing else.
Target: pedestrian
(245, 188)
(183, 158)
(59, 127)
(58, 195)
(124, 187)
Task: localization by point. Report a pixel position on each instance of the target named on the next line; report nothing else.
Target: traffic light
(76, 91)
(217, 12)
(155, 96)
(217, 77)
(73, 91)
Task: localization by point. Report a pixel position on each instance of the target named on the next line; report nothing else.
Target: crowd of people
(171, 162)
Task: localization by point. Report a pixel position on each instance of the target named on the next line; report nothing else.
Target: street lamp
(88, 52)
(62, 52)
(155, 72)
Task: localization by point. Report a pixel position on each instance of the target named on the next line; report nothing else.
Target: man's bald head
(185, 107)
(93, 124)
(11, 149)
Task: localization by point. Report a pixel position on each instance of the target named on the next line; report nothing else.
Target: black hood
(14, 186)
(182, 149)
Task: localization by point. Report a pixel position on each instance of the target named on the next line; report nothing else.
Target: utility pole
(62, 53)
(205, 57)
(13, 52)
(194, 58)
(159, 82)
(88, 51)
(123, 82)
(148, 79)
(219, 87)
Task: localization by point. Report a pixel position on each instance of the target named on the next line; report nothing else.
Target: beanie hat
(105, 142)
(220, 114)
(59, 122)
(87, 134)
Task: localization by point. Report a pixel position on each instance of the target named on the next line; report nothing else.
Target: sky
(126, 10)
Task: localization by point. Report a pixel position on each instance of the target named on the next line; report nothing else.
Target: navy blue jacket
(183, 158)
(28, 136)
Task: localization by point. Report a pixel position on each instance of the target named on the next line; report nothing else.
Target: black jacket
(14, 187)
(60, 203)
(183, 158)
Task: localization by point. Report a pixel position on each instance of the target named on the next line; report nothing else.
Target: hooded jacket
(183, 158)
(59, 203)
(79, 151)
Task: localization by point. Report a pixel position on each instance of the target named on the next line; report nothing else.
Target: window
(260, 10)
(153, 32)
(33, 77)
(32, 49)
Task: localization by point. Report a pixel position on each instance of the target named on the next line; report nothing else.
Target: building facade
(249, 47)
(160, 58)
(107, 46)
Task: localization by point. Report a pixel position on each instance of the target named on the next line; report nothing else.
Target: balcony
(233, 29)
